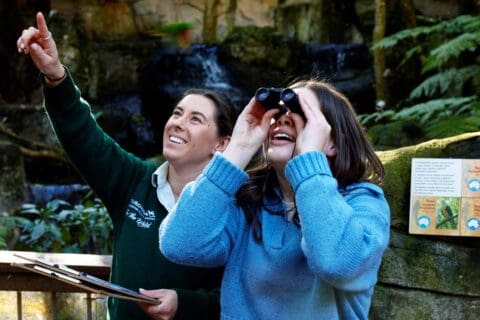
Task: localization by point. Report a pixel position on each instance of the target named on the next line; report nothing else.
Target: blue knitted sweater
(324, 269)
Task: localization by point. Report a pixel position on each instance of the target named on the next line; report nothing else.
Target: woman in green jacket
(137, 194)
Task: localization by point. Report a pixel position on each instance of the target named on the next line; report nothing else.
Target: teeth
(175, 139)
(282, 136)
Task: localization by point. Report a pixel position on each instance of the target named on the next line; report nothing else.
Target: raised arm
(39, 43)
(345, 233)
(105, 166)
(203, 227)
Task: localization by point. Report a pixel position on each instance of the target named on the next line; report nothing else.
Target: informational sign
(445, 197)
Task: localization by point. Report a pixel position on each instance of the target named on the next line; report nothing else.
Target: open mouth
(283, 137)
(177, 140)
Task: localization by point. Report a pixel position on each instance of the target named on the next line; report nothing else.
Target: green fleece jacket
(124, 183)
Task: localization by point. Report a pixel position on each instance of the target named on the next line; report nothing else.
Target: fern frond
(410, 53)
(375, 117)
(451, 49)
(460, 24)
(423, 112)
(451, 126)
(471, 108)
(394, 39)
(452, 80)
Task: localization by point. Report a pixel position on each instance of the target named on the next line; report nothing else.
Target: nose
(178, 122)
(285, 120)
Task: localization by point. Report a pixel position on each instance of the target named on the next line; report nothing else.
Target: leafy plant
(62, 227)
(8, 225)
(446, 102)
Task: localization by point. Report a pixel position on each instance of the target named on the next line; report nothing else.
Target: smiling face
(190, 136)
(281, 142)
(283, 134)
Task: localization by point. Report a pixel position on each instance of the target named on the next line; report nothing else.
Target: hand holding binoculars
(270, 98)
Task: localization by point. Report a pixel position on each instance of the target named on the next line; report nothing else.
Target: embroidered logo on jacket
(137, 213)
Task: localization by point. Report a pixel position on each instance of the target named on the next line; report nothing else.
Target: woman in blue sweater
(302, 235)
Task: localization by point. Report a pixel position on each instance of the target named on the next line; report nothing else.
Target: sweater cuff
(305, 165)
(225, 174)
(62, 95)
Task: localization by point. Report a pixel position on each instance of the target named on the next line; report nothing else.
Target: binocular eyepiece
(270, 98)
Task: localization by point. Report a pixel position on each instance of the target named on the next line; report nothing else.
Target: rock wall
(86, 30)
(426, 277)
(12, 177)
(306, 20)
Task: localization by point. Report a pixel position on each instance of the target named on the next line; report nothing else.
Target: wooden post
(53, 305)
(19, 305)
(89, 306)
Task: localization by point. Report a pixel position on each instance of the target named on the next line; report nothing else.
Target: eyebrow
(198, 113)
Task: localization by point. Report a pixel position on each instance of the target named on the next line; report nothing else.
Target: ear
(331, 150)
(222, 144)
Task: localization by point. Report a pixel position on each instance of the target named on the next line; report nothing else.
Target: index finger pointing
(42, 25)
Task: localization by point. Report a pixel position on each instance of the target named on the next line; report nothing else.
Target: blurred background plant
(62, 227)
(9, 230)
(446, 101)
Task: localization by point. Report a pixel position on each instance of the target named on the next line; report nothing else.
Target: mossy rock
(395, 134)
(397, 164)
(425, 277)
(261, 46)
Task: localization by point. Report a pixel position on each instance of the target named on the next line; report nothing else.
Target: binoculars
(270, 98)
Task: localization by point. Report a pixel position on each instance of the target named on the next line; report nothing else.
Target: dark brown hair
(355, 159)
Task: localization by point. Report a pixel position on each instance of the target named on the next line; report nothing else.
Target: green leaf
(423, 112)
(407, 34)
(451, 49)
(450, 126)
(451, 81)
(38, 231)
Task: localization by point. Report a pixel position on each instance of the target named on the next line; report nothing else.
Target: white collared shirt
(164, 190)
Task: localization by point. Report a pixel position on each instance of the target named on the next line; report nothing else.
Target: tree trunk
(230, 15)
(379, 54)
(409, 13)
(210, 16)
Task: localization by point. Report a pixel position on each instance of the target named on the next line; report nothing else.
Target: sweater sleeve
(106, 167)
(343, 235)
(202, 227)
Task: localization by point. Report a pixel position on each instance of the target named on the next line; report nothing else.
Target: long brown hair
(355, 159)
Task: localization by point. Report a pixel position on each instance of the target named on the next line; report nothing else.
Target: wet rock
(12, 177)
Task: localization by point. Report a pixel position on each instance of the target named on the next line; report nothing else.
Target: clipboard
(81, 279)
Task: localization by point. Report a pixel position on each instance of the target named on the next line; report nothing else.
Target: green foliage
(447, 213)
(8, 224)
(446, 101)
(447, 83)
(439, 108)
(451, 126)
(440, 118)
(460, 25)
(174, 28)
(62, 227)
(451, 49)
(395, 134)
